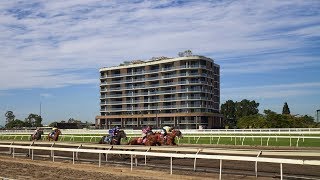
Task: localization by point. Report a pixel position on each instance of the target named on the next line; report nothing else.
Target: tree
(15, 124)
(71, 120)
(246, 108)
(285, 109)
(275, 120)
(252, 121)
(303, 122)
(34, 120)
(233, 111)
(53, 124)
(228, 110)
(9, 116)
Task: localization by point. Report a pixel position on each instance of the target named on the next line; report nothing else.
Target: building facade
(182, 92)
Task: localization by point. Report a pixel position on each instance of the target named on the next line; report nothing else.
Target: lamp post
(40, 107)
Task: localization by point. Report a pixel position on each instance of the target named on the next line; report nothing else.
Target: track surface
(157, 168)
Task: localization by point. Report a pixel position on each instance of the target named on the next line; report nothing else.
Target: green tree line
(33, 120)
(245, 114)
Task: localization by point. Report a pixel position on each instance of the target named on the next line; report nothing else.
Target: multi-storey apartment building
(183, 92)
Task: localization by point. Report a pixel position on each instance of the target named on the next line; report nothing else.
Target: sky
(51, 51)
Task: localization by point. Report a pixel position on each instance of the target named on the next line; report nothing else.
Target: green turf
(255, 141)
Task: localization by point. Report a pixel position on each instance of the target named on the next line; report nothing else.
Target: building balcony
(174, 68)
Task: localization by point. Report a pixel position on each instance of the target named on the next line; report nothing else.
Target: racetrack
(158, 167)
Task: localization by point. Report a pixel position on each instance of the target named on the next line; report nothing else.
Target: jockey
(35, 132)
(53, 131)
(146, 131)
(113, 131)
(165, 130)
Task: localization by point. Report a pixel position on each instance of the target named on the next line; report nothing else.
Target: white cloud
(271, 91)
(269, 63)
(51, 44)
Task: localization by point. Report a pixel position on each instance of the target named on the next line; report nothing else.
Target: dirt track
(22, 168)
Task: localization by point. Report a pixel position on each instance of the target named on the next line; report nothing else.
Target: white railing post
(171, 165)
(290, 140)
(195, 160)
(52, 155)
(77, 151)
(131, 162)
(99, 159)
(256, 165)
(220, 173)
(218, 140)
(281, 172)
(145, 157)
(243, 140)
(52, 150)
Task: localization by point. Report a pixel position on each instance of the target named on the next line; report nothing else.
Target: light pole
(40, 107)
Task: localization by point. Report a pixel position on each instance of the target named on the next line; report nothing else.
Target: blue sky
(51, 51)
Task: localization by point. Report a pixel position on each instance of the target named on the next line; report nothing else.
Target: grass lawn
(197, 139)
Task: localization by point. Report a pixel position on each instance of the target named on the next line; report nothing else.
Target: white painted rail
(235, 138)
(184, 131)
(133, 154)
(189, 149)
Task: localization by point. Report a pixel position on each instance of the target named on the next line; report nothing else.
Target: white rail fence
(213, 139)
(292, 131)
(190, 149)
(134, 154)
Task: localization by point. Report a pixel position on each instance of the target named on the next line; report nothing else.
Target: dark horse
(116, 140)
(55, 136)
(37, 136)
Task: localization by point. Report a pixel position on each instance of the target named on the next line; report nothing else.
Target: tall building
(182, 92)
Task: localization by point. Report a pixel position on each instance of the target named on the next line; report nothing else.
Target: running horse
(153, 139)
(37, 136)
(116, 140)
(170, 140)
(55, 136)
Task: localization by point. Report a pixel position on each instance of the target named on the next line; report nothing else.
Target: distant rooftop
(187, 53)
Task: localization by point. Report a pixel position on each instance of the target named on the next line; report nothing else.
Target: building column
(197, 122)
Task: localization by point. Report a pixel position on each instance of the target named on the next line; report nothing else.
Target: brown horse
(55, 136)
(153, 139)
(170, 138)
(37, 136)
